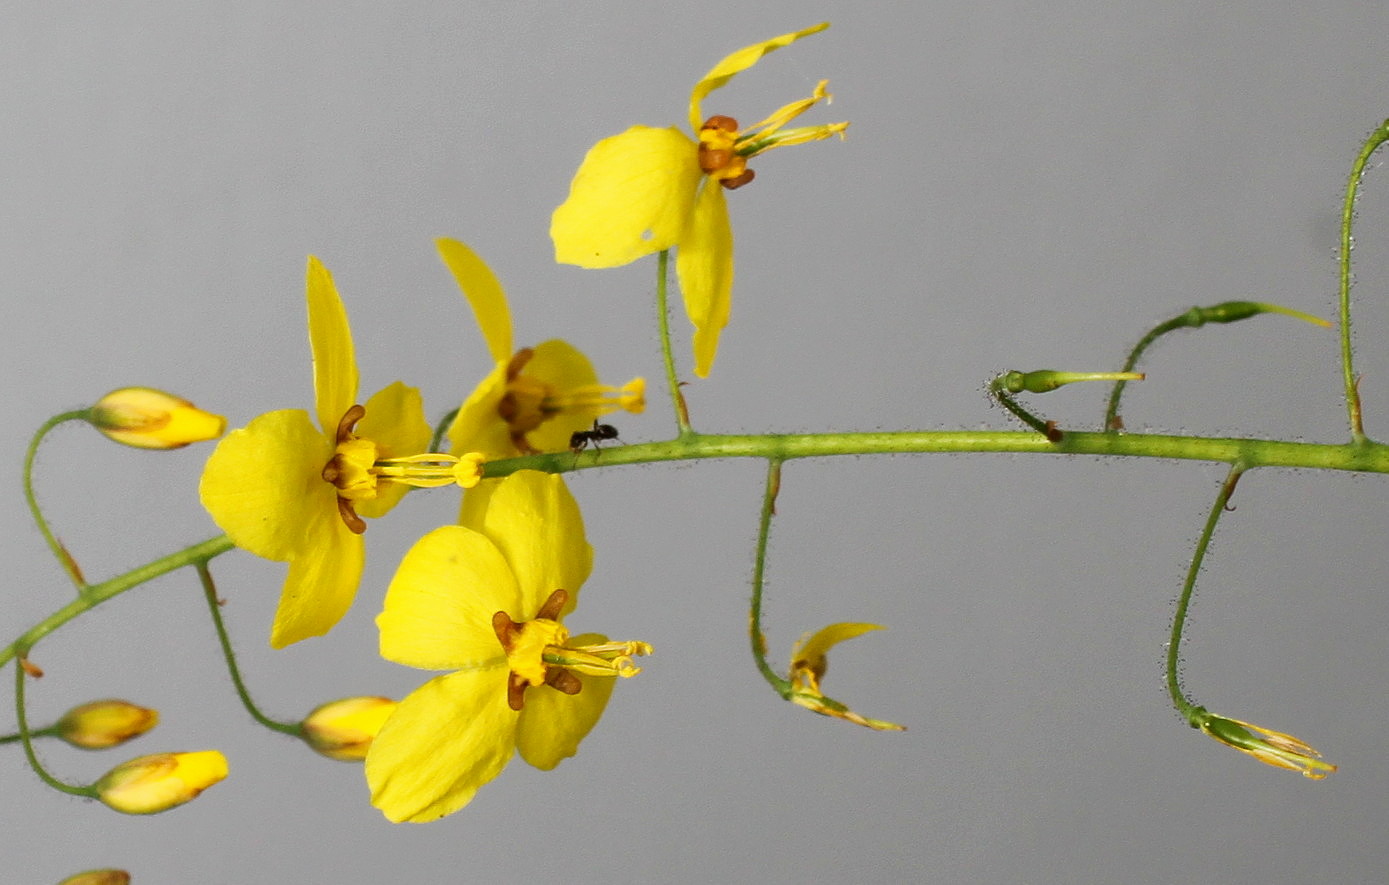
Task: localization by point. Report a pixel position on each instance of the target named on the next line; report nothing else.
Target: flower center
(357, 469)
(530, 402)
(537, 653)
(724, 149)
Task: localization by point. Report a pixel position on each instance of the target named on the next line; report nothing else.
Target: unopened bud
(344, 729)
(103, 724)
(98, 877)
(151, 784)
(152, 419)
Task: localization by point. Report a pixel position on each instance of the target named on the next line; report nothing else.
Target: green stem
(1192, 713)
(24, 735)
(59, 552)
(682, 412)
(764, 530)
(95, 594)
(210, 594)
(1357, 171)
(1368, 457)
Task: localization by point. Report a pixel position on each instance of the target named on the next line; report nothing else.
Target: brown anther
(737, 181)
(348, 422)
(720, 122)
(553, 606)
(354, 523)
(516, 692)
(713, 159)
(562, 680)
(518, 362)
(506, 629)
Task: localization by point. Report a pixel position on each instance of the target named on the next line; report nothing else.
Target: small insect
(580, 439)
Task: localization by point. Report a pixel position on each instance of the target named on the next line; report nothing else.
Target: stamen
(553, 606)
(562, 680)
(348, 422)
(350, 518)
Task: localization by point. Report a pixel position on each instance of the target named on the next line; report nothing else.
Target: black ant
(580, 439)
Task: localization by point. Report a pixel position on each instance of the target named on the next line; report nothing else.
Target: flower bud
(103, 724)
(98, 877)
(151, 784)
(152, 419)
(344, 729)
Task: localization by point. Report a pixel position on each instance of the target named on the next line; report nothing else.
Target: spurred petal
(553, 723)
(704, 265)
(741, 60)
(811, 653)
(483, 292)
(334, 365)
(322, 581)
(263, 484)
(535, 522)
(450, 736)
(439, 606)
(631, 197)
(562, 366)
(395, 422)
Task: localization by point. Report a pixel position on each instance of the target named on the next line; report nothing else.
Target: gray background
(1025, 185)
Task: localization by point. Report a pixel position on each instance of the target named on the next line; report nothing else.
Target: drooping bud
(102, 724)
(98, 877)
(152, 419)
(344, 729)
(151, 784)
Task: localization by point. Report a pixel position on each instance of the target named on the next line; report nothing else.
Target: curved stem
(1192, 713)
(25, 735)
(682, 412)
(210, 594)
(95, 594)
(764, 530)
(1357, 171)
(59, 551)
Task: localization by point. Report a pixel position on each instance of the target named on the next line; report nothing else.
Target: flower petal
(263, 484)
(741, 60)
(439, 606)
(812, 653)
(704, 265)
(478, 427)
(334, 365)
(535, 522)
(321, 583)
(562, 366)
(553, 723)
(483, 292)
(631, 197)
(395, 422)
(450, 736)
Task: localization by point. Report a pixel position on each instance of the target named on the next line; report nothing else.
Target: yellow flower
(98, 877)
(1268, 746)
(151, 784)
(288, 491)
(536, 397)
(810, 661)
(152, 419)
(102, 724)
(649, 189)
(344, 729)
(486, 600)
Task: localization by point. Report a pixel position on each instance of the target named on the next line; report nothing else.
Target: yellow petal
(631, 197)
(535, 522)
(478, 427)
(450, 736)
(334, 365)
(439, 606)
(395, 422)
(263, 483)
(553, 723)
(704, 265)
(483, 292)
(811, 655)
(562, 366)
(741, 60)
(321, 582)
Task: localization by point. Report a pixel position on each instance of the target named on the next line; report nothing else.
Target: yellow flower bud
(151, 784)
(344, 729)
(152, 419)
(103, 724)
(98, 877)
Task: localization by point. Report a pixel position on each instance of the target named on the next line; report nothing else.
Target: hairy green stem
(25, 735)
(682, 413)
(1357, 171)
(215, 608)
(764, 530)
(59, 552)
